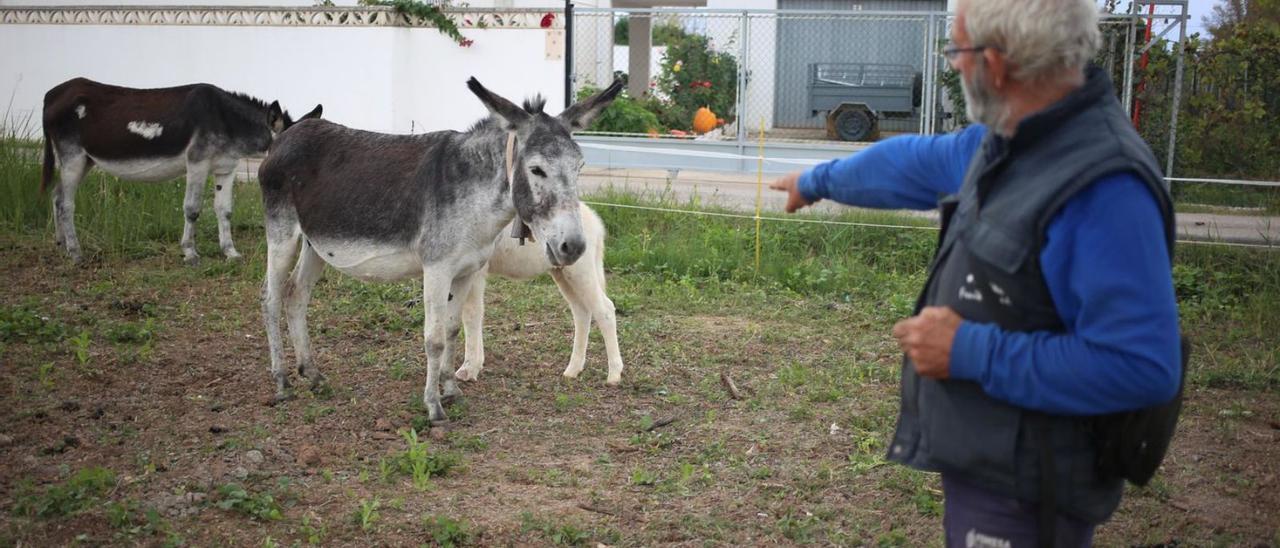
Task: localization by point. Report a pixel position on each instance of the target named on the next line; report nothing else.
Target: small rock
(5, 439)
(239, 472)
(217, 429)
(309, 455)
(437, 433)
(254, 456)
(382, 425)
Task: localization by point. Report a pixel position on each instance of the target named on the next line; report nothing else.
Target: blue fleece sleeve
(1107, 268)
(905, 172)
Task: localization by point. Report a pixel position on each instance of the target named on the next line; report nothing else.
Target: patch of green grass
(27, 325)
(418, 462)
(131, 522)
(448, 532)
(258, 506)
(314, 412)
(366, 514)
(76, 493)
(564, 534)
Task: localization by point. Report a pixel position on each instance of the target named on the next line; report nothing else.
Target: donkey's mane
(535, 104)
(250, 99)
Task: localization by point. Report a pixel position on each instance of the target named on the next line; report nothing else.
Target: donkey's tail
(47, 173)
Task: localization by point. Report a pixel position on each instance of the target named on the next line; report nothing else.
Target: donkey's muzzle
(567, 252)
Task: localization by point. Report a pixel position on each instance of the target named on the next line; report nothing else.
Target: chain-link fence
(789, 72)
(799, 75)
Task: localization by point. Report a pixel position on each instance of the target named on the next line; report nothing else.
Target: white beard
(981, 103)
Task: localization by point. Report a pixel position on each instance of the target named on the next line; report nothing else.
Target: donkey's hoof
(465, 374)
(450, 399)
(571, 374)
(192, 260)
(280, 398)
(614, 381)
(233, 257)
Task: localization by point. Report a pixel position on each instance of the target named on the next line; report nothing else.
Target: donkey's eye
(538, 171)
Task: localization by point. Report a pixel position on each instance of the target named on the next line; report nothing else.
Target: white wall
(389, 79)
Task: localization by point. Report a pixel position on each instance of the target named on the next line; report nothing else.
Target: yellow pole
(759, 192)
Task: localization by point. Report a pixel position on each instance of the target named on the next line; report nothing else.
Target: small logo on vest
(967, 294)
(1000, 296)
(974, 539)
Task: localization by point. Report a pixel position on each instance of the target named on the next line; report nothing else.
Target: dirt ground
(169, 392)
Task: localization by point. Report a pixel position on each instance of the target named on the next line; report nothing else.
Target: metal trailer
(856, 95)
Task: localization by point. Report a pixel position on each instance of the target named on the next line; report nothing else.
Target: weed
(80, 346)
(447, 532)
(76, 493)
(261, 506)
(641, 476)
(366, 515)
(559, 535)
(313, 534)
(798, 528)
(44, 374)
(315, 411)
(24, 324)
(417, 462)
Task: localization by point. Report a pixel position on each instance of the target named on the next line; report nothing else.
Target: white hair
(1044, 40)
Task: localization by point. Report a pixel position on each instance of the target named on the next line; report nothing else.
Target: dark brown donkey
(154, 135)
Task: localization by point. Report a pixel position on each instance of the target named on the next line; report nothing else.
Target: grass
(76, 493)
(798, 460)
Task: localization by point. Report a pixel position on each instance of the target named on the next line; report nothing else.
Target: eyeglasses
(953, 52)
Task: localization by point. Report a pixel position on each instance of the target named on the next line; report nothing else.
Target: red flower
(547, 20)
(466, 42)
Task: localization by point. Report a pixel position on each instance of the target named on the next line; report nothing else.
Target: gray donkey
(387, 207)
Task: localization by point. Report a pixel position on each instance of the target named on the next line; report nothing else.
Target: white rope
(767, 218)
(703, 154)
(867, 225)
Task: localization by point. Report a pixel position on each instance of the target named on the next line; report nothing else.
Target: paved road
(738, 191)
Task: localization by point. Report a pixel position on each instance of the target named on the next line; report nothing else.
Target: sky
(1198, 9)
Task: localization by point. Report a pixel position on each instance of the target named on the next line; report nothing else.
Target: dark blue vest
(987, 268)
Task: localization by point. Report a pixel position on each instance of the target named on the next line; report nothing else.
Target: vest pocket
(969, 433)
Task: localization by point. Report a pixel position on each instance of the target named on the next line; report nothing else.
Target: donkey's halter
(519, 229)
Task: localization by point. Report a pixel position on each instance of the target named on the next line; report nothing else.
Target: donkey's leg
(297, 295)
(605, 315)
(570, 288)
(436, 284)
(74, 165)
(460, 286)
(222, 200)
(282, 246)
(473, 328)
(197, 172)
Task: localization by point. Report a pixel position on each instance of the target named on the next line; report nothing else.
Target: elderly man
(1050, 300)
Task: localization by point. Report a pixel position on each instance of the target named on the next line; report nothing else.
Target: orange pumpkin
(704, 120)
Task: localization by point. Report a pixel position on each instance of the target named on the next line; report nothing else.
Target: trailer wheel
(851, 123)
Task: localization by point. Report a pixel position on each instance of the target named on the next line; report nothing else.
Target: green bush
(625, 115)
(694, 75)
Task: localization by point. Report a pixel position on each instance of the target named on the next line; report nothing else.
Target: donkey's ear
(315, 113)
(580, 114)
(275, 117)
(511, 116)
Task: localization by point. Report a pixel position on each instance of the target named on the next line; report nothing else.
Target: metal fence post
(568, 53)
(741, 103)
(1177, 96)
(1128, 63)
